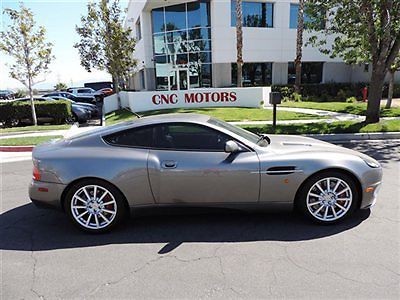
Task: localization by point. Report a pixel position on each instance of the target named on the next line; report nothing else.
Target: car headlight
(372, 163)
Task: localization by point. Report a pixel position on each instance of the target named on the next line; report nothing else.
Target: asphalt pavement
(221, 255)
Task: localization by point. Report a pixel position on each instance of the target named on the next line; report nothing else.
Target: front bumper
(370, 188)
(46, 194)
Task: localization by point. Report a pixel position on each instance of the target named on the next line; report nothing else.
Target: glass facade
(311, 72)
(254, 74)
(255, 14)
(182, 45)
(294, 11)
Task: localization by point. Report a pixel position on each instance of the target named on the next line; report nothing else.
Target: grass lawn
(35, 128)
(324, 128)
(227, 114)
(27, 141)
(342, 107)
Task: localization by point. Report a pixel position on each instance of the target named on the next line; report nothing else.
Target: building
(192, 44)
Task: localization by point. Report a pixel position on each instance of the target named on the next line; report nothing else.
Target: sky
(59, 17)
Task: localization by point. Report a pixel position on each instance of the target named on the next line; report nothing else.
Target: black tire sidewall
(301, 201)
(119, 199)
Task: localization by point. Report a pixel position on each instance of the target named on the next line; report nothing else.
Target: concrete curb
(356, 136)
(16, 148)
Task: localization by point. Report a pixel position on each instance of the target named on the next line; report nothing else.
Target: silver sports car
(98, 177)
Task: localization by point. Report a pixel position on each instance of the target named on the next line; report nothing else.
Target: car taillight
(36, 173)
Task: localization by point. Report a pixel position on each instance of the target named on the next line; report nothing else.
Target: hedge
(327, 92)
(59, 111)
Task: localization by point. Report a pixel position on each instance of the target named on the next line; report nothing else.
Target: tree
(393, 68)
(365, 31)
(27, 46)
(299, 46)
(60, 86)
(239, 43)
(105, 44)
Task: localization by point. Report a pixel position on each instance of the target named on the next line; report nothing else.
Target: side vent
(284, 170)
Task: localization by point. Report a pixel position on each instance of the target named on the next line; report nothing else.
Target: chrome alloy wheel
(329, 199)
(93, 206)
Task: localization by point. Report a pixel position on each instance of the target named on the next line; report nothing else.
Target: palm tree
(239, 42)
(299, 46)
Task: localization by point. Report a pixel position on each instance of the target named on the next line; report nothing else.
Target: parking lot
(222, 254)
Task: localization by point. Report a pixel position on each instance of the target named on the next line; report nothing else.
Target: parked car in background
(85, 99)
(94, 110)
(107, 91)
(84, 91)
(6, 95)
(80, 114)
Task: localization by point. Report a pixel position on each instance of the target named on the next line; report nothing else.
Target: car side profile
(196, 160)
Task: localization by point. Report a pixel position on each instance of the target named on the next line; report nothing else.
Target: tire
(95, 216)
(328, 206)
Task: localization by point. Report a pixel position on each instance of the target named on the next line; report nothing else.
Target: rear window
(136, 137)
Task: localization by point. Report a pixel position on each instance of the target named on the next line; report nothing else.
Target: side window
(136, 137)
(186, 136)
(81, 91)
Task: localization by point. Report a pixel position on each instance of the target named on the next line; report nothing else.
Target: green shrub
(58, 111)
(297, 97)
(327, 92)
(351, 100)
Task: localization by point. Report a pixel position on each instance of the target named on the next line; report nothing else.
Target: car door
(188, 164)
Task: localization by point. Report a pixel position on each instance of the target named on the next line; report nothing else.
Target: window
(254, 74)
(254, 14)
(81, 91)
(311, 72)
(138, 30)
(136, 137)
(185, 136)
(294, 12)
(182, 40)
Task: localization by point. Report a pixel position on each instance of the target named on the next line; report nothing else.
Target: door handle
(169, 164)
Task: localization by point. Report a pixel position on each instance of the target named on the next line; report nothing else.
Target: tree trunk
(375, 95)
(34, 119)
(391, 87)
(239, 43)
(299, 46)
(116, 89)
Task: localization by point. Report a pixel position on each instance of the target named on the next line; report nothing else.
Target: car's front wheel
(94, 206)
(328, 197)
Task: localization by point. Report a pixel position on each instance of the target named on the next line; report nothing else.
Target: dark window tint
(136, 137)
(254, 14)
(198, 14)
(185, 136)
(311, 72)
(254, 74)
(175, 17)
(158, 19)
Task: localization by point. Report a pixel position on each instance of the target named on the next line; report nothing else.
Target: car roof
(144, 121)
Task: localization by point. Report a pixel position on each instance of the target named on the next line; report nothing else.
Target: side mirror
(231, 147)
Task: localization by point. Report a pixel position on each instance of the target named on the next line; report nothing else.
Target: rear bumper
(46, 194)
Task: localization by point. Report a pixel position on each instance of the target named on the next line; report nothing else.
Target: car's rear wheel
(328, 197)
(94, 205)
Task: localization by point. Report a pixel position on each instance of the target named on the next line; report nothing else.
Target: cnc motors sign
(195, 98)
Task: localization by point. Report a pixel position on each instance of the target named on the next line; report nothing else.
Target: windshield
(254, 138)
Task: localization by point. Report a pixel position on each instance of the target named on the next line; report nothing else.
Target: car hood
(287, 144)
